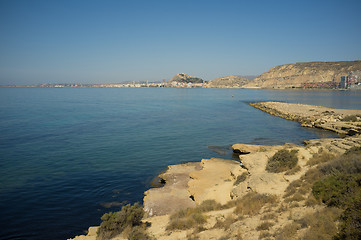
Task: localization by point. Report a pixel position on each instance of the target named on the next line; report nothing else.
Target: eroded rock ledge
(341, 121)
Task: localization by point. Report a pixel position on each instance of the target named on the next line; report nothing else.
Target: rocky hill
(295, 74)
(228, 82)
(185, 78)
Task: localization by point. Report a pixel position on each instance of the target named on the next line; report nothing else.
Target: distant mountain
(296, 74)
(185, 78)
(228, 82)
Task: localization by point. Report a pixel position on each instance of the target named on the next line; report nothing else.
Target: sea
(69, 155)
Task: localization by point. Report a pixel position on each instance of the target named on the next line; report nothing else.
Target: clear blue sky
(86, 41)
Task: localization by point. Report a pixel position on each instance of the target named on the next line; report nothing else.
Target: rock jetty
(341, 121)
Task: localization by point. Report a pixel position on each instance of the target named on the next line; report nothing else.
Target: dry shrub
(186, 219)
(311, 201)
(241, 178)
(311, 176)
(251, 203)
(264, 234)
(350, 118)
(292, 188)
(283, 160)
(320, 225)
(287, 232)
(294, 205)
(264, 226)
(297, 197)
(293, 171)
(226, 223)
(192, 236)
(269, 216)
(139, 232)
(282, 208)
(209, 205)
(320, 158)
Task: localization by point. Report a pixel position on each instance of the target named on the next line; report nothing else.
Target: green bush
(350, 227)
(115, 222)
(337, 190)
(283, 160)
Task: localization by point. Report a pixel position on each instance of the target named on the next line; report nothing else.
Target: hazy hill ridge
(228, 82)
(293, 75)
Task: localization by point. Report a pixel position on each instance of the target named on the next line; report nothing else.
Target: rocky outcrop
(185, 78)
(174, 194)
(228, 82)
(293, 75)
(341, 121)
(190, 184)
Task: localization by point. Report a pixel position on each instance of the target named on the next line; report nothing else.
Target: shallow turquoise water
(64, 152)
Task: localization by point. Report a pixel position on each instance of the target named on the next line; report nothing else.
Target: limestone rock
(248, 148)
(173, 195)
(215, 180)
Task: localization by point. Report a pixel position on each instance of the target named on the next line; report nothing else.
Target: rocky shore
(190, 185)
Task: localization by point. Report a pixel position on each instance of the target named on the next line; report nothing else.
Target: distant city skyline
(93, 42)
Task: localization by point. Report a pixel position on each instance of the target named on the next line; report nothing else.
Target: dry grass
(297, 197)
(209, 205)
(293, 171)
(292, 188)
(251, 203)
(320, 225)
(321, 157)
(226, 223)
(287, 232)
(264, 235)
(269, 216)
(186, 219)
(311, 201)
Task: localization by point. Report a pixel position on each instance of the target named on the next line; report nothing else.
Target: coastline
(190, 184)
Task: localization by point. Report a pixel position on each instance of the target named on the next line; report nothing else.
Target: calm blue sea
(66, 152)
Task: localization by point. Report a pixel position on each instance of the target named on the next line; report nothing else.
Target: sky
(111, 41)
